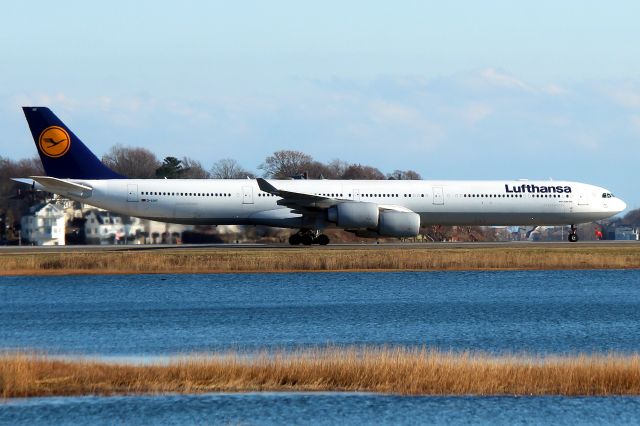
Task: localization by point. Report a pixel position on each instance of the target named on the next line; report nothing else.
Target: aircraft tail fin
(62, 153)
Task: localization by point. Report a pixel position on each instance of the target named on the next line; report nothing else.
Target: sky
(453, 90)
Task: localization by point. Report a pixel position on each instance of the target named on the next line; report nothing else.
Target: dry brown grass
(314, 259)
(401, 371)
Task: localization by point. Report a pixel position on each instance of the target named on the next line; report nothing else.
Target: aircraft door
(247, 195)
(132, 192)
(438, 195)
(356, 195)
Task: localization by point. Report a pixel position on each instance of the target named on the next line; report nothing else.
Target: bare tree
(193, 169)
(228, 168)
(337, 169)
(15, 198)
(632, 218)
(135, 163)
(358, 171)
(285, 163)
(404, 175)
(318, 170)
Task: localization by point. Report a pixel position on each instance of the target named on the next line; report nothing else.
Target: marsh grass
(385, 370)
(313, 259)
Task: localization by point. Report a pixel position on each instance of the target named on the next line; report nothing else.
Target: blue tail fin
(62, 153)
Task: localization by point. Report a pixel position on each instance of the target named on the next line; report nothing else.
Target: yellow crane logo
(54, 141)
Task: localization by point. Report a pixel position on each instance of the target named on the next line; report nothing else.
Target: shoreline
(316, 259)
(291, 271)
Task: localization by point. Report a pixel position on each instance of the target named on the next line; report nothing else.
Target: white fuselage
(240, 201)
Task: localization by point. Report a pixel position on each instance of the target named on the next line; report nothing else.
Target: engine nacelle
(399, 224)
(354, 215)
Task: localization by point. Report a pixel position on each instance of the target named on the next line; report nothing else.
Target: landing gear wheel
(322, 239)
(306, 239)
(295, 239)
(573, 234)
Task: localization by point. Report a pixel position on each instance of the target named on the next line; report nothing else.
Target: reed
(386, 370)
(210, 260)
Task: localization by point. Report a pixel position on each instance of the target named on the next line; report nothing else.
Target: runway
(359, 246)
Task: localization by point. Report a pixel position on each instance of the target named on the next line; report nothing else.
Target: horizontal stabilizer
(58, 186)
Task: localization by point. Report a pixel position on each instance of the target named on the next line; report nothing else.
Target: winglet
(267, 187)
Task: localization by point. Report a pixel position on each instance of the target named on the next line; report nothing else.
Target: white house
(44, 226)
(103, 227)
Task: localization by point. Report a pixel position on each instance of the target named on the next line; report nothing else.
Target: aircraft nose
(620, 205)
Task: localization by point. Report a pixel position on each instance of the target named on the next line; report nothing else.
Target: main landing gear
(573, 234)
(306, 237)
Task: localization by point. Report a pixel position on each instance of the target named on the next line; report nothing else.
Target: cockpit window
(607, 195)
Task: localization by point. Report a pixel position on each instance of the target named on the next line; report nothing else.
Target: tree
(193, 169)
(632, 218)
(358, 171)
(318, 170)
(171, 168)
(404, 175)
(15, 198)
(286, 163)
(228, 168)
(337, 169)
(134, 163)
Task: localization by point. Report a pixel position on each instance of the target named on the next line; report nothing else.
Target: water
(150, 315)
(145, 317)
(319, 408)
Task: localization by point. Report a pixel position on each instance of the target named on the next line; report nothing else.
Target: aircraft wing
(300, 201)
(297, 199)
(57, 186)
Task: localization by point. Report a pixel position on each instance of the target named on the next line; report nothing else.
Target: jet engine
(399, 224)
(354, 215)
(366, 218)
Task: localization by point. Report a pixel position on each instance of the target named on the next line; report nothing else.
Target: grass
(211, 260)
(385, 370)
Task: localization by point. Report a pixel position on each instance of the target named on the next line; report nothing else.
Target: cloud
(496, 78)
(410, 113)
(475, 113)
(626, 96)
(393, 113)
(59, 100)
(554, 90)
(586, 141)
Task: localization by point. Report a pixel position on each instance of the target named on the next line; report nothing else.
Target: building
(103, 227)
(626, 233)
(45, 225)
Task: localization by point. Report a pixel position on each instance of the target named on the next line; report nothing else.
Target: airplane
(368, 208)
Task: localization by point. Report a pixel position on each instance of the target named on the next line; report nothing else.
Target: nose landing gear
(308, 237)
(573, 234)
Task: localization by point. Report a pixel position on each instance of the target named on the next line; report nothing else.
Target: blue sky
(468, 90)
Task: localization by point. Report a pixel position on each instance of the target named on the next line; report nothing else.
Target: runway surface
(366, 246)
